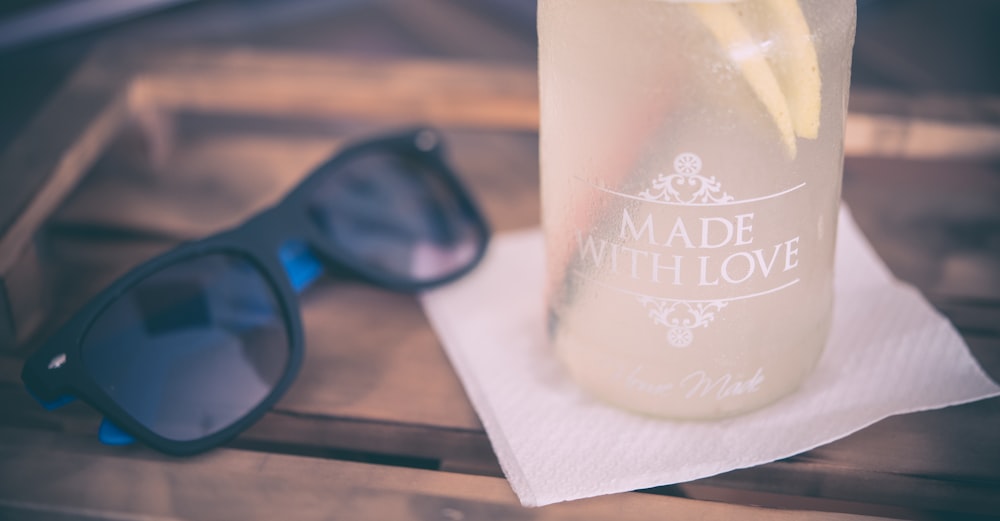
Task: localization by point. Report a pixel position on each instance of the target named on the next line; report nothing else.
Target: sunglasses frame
(56, 370)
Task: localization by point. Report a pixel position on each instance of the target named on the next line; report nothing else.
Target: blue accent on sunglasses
(301, 266)
(111, 434)
(53, 404)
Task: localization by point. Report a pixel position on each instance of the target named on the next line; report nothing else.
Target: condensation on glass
(691, 162)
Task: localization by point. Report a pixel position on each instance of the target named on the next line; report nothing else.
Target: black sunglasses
(193, 346)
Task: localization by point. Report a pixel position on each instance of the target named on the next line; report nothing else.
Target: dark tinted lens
(192, 348)
(396, 213)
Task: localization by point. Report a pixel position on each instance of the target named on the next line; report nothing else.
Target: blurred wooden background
(908, 46)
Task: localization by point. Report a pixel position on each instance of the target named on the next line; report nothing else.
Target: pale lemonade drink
(691, 159)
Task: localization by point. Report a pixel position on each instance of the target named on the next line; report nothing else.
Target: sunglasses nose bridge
(283, 238)
(300, 265)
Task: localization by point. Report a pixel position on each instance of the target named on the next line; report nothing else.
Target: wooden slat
(931, 106)
(936, 461)
(284, 430)
(455, 27)
(453, 94)
(39, 168)
(910, 138)
(61, 475)
(933, 222)
(460, 93)
(440, 93)
(52, 154)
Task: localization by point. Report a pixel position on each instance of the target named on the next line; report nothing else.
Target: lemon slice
(798, 70)
(725, 22)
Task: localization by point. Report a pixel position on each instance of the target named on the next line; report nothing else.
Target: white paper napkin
(889, 353)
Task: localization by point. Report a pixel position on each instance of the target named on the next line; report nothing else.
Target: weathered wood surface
(36, 172)
(99, 483)
(218, 134)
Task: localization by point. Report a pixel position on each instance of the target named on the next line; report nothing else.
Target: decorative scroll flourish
(686, 185)
(681, 318)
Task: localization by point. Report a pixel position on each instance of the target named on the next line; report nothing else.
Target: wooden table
(145, 147)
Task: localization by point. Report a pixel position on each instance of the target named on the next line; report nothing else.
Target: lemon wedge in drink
(798, 70)
(789, 88)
